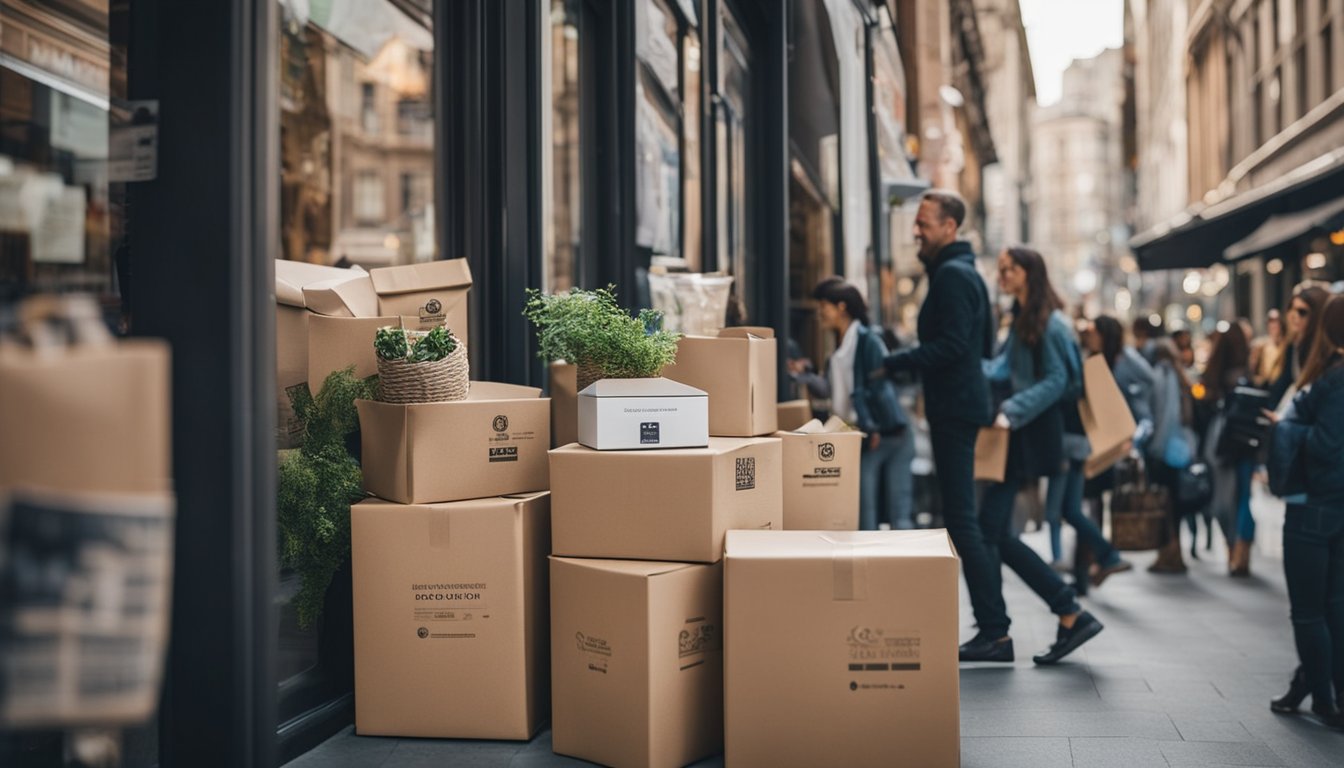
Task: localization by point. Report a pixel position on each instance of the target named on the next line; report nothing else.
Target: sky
(1059, 31)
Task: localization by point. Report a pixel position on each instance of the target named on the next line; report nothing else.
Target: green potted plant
(420, 366)
(593, 331)
(317, 483)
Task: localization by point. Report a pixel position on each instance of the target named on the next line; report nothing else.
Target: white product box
(635, 414)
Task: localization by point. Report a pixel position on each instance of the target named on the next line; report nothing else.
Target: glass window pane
(733, 123)
(563, 220)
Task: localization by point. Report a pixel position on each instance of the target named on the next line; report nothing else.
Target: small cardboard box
(643, 685)
(335, 343)
(450, 606)
(841, 648)
(637, 414)
(663, 505)
(737, 369)
(792, 414)
(490, 444)
(426, 295)
(564, 389)
(821, 477)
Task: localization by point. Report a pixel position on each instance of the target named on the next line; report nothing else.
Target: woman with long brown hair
(1032, 372)
(1301, 322)
(1313, 527)
(1229, 363)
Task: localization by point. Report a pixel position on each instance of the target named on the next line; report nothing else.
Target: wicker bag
(437, 381)
(1139, 512)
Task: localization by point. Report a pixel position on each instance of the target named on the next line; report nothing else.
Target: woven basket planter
(403, 382)
(587, 373)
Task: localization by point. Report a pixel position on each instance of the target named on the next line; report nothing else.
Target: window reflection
(658, 130)
(732, 124)
(564, 217)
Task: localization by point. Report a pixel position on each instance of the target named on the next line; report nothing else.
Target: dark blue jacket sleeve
(1023, 407)
(1322, 408)
(956, 295)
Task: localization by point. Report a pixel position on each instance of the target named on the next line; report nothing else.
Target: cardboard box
(663, 505)
(841, 649)
(643, 685)
(490, 444)
(737, 369)
(88, 418)
(564, 389)
(426, 295)
(821, 476)
(349, 296)
(335, 343)
(635, 414)
(792, 414)
(450, 606)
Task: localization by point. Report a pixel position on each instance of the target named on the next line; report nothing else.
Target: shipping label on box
(671, 505)
(492, 443)
(450, 613)
(642, 414)
(821, 477)
(642, 685)
(841, 647)
(737, 370)
(426, 295)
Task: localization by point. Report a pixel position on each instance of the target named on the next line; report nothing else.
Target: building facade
(1010, 103)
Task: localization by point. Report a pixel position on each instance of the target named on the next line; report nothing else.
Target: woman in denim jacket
(1031, 370)
(1313, 527)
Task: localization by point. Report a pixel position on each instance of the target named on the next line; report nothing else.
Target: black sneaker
(982, 648)
(1069, 640)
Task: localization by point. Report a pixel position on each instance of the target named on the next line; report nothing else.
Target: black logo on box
(422, 633)
(692, 642)
(826, 452)
(501, 423)
(433, 307)
(649, 433)
(746, 473)
(504, 454)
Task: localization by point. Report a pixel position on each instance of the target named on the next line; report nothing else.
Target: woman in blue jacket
(1031, 372)
(869, 403)
(1313, 531)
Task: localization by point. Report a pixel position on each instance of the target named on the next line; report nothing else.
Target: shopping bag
(991, 454)
(1106, 417)
(1138, 510)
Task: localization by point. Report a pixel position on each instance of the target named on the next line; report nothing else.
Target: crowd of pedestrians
(1213, 416)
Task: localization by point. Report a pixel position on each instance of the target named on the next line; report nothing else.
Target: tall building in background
(1080, 181)
(1010, 102)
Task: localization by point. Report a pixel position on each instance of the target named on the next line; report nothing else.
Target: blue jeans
(954, 460)
(1313, 564)
(1005, 548)
(1245, 522)
(1064, 499)
(887, 469)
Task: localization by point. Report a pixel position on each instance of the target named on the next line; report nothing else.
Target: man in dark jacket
(956, 331)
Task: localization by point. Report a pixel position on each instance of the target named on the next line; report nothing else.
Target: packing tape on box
(439, 530)
(849, 572)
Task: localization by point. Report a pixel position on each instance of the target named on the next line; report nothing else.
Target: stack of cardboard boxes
(636, 577)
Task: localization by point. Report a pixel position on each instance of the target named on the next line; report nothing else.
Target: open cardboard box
(821, 476)
(737, 370)
(426, 295)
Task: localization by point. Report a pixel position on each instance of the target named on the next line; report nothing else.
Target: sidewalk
(1182, 676)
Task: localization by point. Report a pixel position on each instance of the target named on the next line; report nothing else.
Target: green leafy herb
(413, 346)
(590, 327)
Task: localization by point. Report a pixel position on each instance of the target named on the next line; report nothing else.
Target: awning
(1284, 228)
(1197, 238)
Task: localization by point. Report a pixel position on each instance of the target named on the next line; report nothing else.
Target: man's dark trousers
(954, 461)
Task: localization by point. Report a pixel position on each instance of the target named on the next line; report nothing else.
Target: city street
(1182, 676)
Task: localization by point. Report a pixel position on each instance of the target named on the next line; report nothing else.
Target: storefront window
(563, 219)
(733, 123)
(658, 130)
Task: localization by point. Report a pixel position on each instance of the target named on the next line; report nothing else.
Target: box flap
(643, 568)
(452, 273)
(292, 276)
(717, 445)
(783, 545)
(492, 390)
(747, 332)
(345, 296)
(658, 387)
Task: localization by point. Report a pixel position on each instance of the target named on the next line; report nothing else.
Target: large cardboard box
(490, 444)
(663, 505)
(564, 390)
(737, 369)
(840, 649)
(643, 685)
(451, 606)
(821, 476)
(792, 414)
(344, 293)
(88, 418)
(642, 414)
(426, 295)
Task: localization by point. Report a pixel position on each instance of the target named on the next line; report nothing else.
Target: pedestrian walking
(1313, 526)
(956, 331)
(1032, 371)
(1173, 448)
(1233, 468)
(868, 402)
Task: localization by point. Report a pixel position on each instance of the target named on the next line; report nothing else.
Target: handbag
(1246, 429)
(1194, 487)
(1138, 511)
